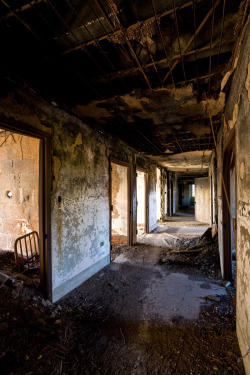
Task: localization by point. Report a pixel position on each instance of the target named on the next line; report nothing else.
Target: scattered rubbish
(213, 298)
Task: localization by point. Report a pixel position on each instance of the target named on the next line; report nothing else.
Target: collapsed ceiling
(146, 71)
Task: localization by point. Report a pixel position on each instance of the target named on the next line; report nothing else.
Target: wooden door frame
(226, 219)
(145, 171)
(44, 198)
(129, 197)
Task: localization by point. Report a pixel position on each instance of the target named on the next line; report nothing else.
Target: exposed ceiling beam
(133, 54)
(202, 24)
(131, 71)
(135, 25)
(22, 8)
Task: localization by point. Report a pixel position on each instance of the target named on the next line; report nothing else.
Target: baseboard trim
(77, 280)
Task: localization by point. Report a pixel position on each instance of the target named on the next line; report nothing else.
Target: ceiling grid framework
(142, 71)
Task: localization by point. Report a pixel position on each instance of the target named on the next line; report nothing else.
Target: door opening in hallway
(120, 203)
(25, 232)
(186, 197)
(229, 218)
(158, 194)
(19, 204)
(142, 201)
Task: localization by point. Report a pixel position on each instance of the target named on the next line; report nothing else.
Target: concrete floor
(170, 231)
(167, 294)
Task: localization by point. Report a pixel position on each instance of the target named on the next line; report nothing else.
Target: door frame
(44, 198)
(226, 219)
(145, 171)
(129, 198)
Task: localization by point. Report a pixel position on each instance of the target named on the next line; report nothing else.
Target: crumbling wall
(80, 196)
(202, 200)
(237, 116)
(19, 182)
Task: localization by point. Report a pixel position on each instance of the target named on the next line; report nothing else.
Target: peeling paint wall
(237, 116)
(202, 200)
(80, 195)
(19, 176)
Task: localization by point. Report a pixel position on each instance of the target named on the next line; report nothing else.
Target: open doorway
(186, 194)
(142, 201)
(24, 205)
(120, 202)
(229, 218)
(158, 194)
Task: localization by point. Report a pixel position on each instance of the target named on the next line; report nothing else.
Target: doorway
(142, 201)
(158, 194)
(25, 192)
(120, 202)
(229, 219)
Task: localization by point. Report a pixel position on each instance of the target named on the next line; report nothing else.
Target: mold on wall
(19, 183)
(80, 195)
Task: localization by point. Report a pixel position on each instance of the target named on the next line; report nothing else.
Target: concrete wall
(202, 200)
(119, 201)
(19, 174)
(80, 196)
(237, 117)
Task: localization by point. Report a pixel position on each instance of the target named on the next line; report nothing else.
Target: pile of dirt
(201, 253)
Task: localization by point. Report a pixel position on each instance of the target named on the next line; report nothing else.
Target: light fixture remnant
(9, 194)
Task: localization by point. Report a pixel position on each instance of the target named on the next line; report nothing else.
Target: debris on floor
(116, 323)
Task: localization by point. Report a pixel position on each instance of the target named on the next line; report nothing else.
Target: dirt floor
(109, 324)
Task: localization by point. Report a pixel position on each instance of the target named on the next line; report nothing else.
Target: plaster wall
(237, 116)
(202, 200)
(80, 191)
(80, 207)
(19, 175)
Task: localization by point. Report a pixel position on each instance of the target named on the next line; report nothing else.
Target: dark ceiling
(147, 71)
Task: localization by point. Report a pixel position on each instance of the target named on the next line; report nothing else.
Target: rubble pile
(199, 252)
